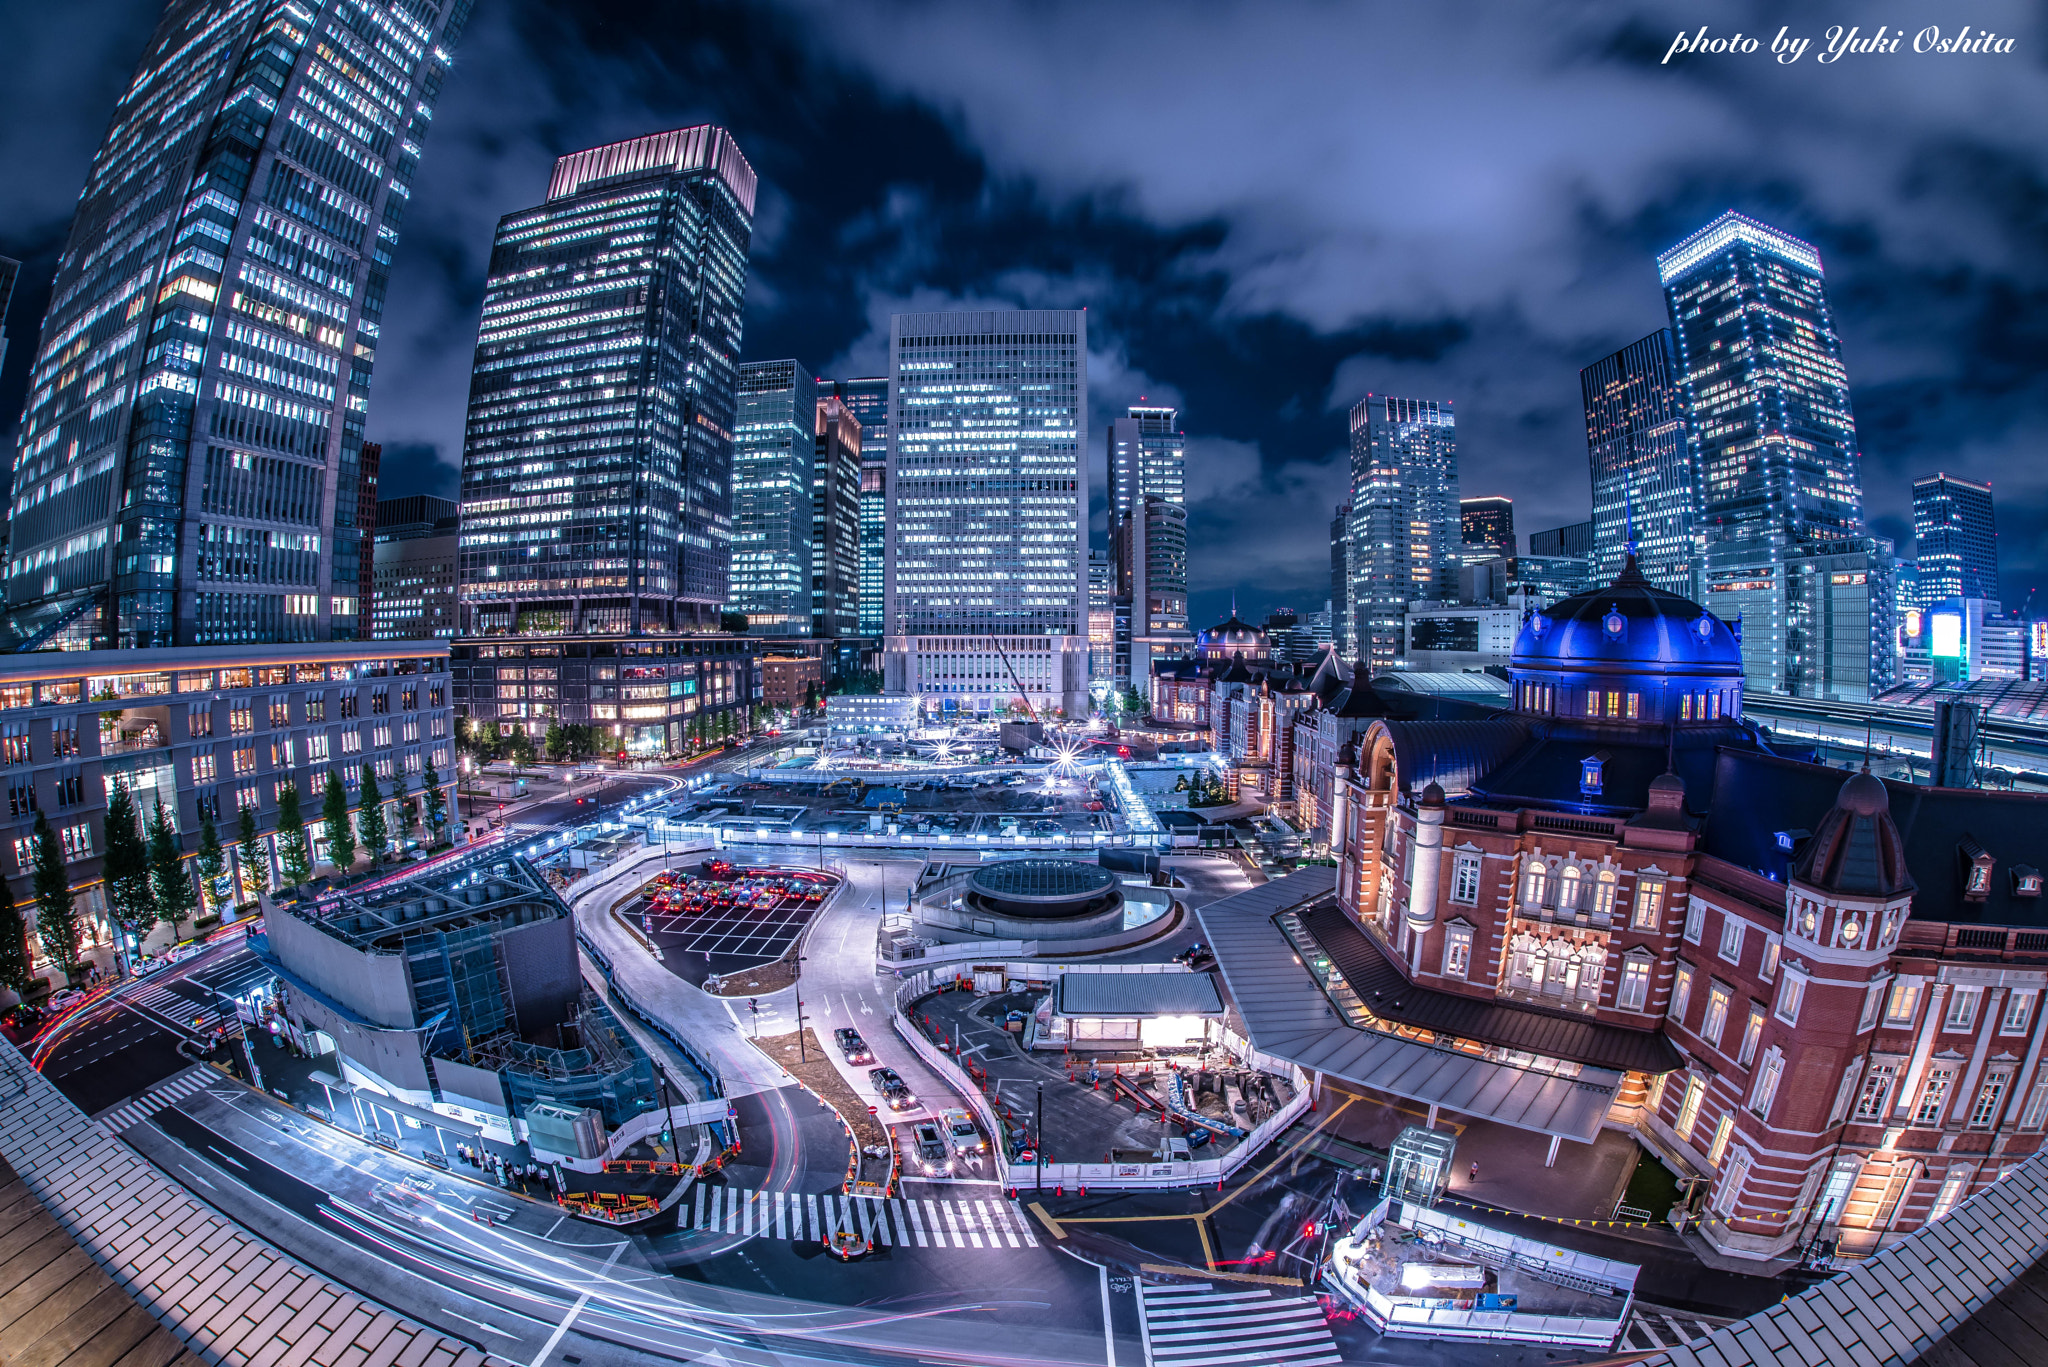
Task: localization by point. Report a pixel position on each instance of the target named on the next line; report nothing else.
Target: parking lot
(719, 919)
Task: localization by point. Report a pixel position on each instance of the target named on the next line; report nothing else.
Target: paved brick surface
(1968, 1289)
(166, 1280)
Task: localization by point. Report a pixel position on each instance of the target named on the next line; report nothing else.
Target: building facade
(1486, 528)
(1955, 540)
(1449, 637)
(188, 469)
(835, 521)
(215, 729)
(1817, 1000)
(1768, 416)
(1645, 482)
(792, 682)
(597, 460)
(869, 401)
(1102, 638)
(1340, 579)
(1573, 541)
(988, 509)
(1406, 535)
(649, 697)
(773, 569)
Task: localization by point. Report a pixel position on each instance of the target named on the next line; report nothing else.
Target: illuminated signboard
(1947, 628)
(1913, 623)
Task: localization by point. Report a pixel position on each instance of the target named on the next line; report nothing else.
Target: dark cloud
(1267, 209)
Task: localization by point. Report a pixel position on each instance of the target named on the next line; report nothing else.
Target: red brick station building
(1618, 904)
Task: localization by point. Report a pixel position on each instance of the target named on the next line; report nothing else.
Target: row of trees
(143, 866)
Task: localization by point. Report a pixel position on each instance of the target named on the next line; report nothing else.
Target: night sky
(1267, 208)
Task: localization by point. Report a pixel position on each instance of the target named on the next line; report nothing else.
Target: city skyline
(1517, 309)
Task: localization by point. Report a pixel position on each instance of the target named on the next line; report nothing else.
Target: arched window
(1603, 893)
(1568, 888)
(1533, 885)
(1562, 975)
(1525, 969)
(1592, 968)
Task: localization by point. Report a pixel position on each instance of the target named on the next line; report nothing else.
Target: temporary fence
(1443, 1317)
(1082, 1176)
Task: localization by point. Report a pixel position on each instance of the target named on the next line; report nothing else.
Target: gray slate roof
(1138, 994)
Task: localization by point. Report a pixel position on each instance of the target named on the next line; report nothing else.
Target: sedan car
(852, 1045)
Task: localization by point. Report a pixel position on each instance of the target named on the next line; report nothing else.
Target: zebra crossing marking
(1667, 1329)
(1198, 1326)
(906, 1222)
(180, 1086)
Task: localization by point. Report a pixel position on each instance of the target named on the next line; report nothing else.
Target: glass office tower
(772, 557)
(597, 464)
(835, 521)
(1146, 471)
(868, 399)
(1148, 457)
(1768, 416)
(189, 468)
(1406, 531)
(1645, 482)
(1955, 540)
(1486, 527)
(987, 576)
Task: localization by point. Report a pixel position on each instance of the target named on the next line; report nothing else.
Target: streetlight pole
(798, 973)
(1038, 1138)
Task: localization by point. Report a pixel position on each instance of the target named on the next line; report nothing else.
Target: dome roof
(1232, 633)
(1857, 849)
(1631, 626)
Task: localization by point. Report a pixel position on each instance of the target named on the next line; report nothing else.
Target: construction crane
(1029, 710)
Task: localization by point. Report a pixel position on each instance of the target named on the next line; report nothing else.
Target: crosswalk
(902, 1221)
(1199, 1326)
(175, 1008)
(1648, 1329)
(180, 1086)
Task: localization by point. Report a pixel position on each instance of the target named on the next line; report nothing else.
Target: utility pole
(798, 973)
(1038, 1138)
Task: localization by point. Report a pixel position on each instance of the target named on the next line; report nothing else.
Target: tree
(520, 745)
(175, 899)
(370, 819)
(733, 623)
(255, 860)
(14, 959)
(555, 743)
(341, 837)
(126, 865)
(436, 806)
(810, 695)
(292, 856)
(212, 861)
(1133, 702)
(56, 917)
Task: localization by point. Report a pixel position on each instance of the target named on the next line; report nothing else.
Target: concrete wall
(374, 986)
(540, 961)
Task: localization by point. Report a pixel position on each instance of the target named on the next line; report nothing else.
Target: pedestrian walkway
(180, 1086)
(187, 1016)
(905, 1222)
(1648, 1328)
(1199, 1326)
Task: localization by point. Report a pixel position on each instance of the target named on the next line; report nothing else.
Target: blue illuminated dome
(1232, 639)
(1628, 653)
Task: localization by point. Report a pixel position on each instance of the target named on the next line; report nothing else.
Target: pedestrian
(1475, 1172)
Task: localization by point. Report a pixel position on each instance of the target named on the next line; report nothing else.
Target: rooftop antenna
(1628, 500)
(1867, 730)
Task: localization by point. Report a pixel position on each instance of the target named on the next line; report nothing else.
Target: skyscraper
(1101, 621)
(597, 464)
(1574, 539)
(1340, 579)
(1645, 482)
(1955, 540)
(189, 462)
(835, 521)
(1146, 473)
(1406, 534)
(773, 531)
(869, 401)
(987, 576)
(1486, 528)
(1767, 413)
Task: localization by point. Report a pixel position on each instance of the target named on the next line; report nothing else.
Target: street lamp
(798, 973)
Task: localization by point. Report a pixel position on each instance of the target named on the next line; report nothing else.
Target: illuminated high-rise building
(835, 521)
(189, 464)
(1407, 536)
(597, 463)
(1340, 579)
(1486, 528)
(10, 271)
(1147, 457)
(1645, 481)
(1955, 540)
(1146, 473)
(987, 577)
(1772, 434)
(772, 522)
(868, 399)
